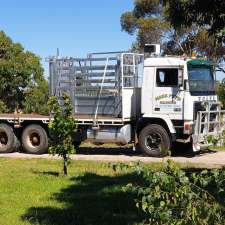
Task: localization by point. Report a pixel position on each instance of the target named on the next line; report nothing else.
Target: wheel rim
(153, 142)
(34, 139)
(3, 139)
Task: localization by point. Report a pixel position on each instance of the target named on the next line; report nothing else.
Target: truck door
(166, 95)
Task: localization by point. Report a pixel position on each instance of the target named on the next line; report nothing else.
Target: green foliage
(152, 22)
(3, 107)
(212, 181)
(36, 98)
(143, 7)
(213, 139)
(147, 20)
(17, 68)
(220, 90)
(62, 128)
(208, 45)
(173, 196)
(208, 13)
(128, 22)
(207, 16)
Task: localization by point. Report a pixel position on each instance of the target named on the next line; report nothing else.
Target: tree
(17, 69)
(62, 129)
(147, 21)
(208, 13)
(150, 21)
(36, 97)
(208, 16)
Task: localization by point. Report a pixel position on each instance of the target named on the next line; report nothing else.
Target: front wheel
(154, 141)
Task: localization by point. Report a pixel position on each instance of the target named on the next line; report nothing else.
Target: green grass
(32, 192)
(217, 148)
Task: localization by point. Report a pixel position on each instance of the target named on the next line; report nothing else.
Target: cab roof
(175, 61)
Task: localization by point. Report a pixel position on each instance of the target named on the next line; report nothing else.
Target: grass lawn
(217, 148)
(32, 192)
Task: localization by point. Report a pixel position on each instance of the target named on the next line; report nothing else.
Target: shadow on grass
(47, 173)
(91, 200)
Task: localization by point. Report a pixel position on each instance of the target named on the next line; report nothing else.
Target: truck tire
(154, 141)
(35, 139)
(8, 140)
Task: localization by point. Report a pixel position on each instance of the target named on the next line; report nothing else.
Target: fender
(165, 118)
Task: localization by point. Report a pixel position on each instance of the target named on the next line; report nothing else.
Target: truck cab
(179, 101)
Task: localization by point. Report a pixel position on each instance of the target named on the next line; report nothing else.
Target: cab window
(167, 77)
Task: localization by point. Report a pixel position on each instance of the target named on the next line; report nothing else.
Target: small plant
(213, 139)
(62, 128)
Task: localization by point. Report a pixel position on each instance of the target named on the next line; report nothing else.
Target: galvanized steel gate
(96, 83)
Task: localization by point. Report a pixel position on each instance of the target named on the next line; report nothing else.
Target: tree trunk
(65, 164)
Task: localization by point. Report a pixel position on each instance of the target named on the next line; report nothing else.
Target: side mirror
(180, 78)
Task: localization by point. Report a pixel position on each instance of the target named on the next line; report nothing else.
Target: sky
(76, 27)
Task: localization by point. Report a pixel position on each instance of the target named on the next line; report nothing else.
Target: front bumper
(199, 144)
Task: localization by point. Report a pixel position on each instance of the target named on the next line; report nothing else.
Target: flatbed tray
(81, 119)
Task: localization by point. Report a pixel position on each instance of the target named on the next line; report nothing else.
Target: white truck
(124, 97)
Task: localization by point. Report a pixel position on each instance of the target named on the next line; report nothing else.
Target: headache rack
(100, 85)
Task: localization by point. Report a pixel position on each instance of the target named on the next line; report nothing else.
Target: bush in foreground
(174, 196)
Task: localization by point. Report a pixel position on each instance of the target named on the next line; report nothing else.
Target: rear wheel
(35, 139)
(8, 140)
(154, 141)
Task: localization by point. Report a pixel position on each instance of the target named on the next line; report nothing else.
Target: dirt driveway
(209, 159)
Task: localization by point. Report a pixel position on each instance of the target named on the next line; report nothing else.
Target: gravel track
(209, 159)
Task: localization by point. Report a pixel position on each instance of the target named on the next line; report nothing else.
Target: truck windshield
(201, 80)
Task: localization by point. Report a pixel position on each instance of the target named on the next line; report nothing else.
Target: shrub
(174, 196)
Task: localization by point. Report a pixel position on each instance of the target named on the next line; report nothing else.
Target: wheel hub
(3, 138)
(153, 141)
(35, 139)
